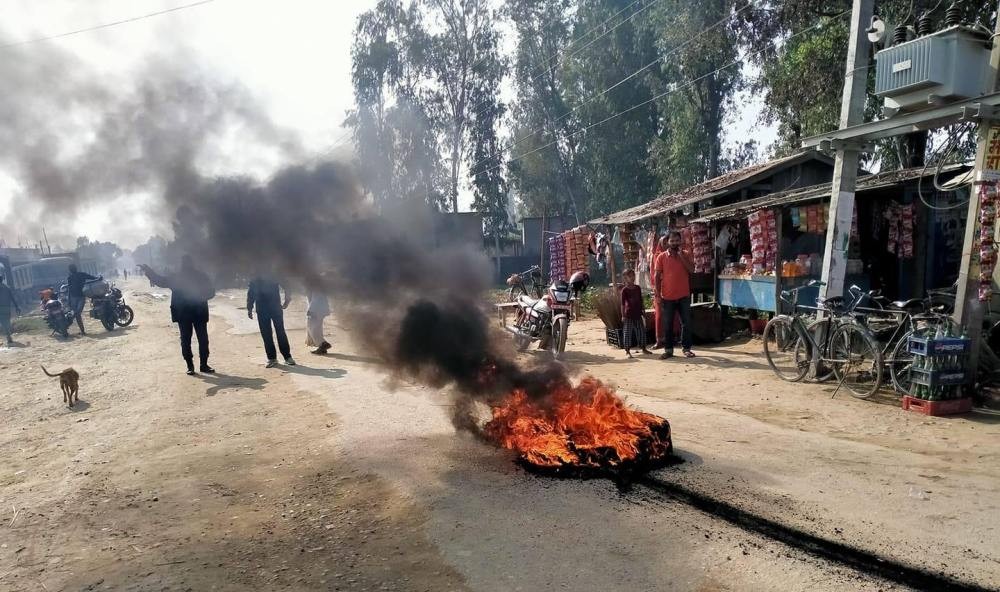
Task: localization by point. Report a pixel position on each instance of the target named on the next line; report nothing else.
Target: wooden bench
(502, 310)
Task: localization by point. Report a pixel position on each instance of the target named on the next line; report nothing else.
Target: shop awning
(822, 191)
(719, 186)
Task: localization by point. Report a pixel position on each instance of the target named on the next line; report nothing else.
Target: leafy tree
(545, 168)
(600, 85)
(394, 121)
(698, 44)
(467, 68)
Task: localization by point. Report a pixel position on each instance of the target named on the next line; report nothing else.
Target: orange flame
(587, 425)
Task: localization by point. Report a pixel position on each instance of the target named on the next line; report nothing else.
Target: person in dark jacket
(190, 291)
(265, 294)
(74, 290)
(7, 303)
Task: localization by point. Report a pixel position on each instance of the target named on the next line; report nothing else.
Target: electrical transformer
(932, 70)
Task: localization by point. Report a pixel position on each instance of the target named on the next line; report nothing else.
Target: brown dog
(69, 381)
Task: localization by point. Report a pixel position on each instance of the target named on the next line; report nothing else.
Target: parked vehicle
(518, 284)
(58, 317)
(107, 304)
(545, 319)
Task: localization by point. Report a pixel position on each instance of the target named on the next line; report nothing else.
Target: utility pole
(968, 309)
(845, 171)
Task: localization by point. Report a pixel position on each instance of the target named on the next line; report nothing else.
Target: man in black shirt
(190, 291)
(265, 294)
(74, 288)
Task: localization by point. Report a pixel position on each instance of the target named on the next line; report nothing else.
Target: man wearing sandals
(672, 286)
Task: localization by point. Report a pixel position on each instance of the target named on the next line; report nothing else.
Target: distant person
(318, 310)
(633, 315)
(265, 294)
(125, 274)
(190, 291)
(672, 283)
(74, 291)
(7, 303)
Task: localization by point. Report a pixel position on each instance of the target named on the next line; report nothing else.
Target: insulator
(899, 34)
(953, 15)
(925, 25)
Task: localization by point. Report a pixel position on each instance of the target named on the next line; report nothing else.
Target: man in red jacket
(672, 286)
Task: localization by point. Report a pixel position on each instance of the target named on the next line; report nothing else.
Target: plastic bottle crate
(616, 337)
(937, 408)
(936, 378)
(946, 346)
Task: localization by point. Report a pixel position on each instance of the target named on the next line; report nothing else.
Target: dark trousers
(267, 317)
(667, 308)
(189, 328)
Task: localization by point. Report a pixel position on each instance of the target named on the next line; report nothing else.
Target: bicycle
(848, 347)
(517, 283)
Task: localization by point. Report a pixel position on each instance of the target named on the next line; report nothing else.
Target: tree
(600, 85)
(468, 68)
(394, 121)
(544, 170)
(698, 44)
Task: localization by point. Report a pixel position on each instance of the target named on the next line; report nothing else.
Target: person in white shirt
(318, 309)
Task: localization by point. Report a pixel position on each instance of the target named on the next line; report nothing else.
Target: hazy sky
(293, 56)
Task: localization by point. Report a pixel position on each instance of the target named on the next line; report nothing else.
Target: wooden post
(541, 253)
(969, 310)
(611, 257)
(777, 263)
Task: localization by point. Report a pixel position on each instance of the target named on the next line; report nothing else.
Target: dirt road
(325, 477)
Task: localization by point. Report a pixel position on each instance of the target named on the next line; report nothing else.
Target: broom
(607, 304)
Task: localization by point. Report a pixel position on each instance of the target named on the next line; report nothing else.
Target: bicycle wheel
(899, 365)
(784, 346)
(856, 360)
(819, 329)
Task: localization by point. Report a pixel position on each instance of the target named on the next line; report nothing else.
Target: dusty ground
(323, 477)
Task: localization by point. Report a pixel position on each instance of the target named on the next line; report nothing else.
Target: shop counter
(754, 292)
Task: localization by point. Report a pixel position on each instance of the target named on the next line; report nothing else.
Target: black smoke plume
(405, 291)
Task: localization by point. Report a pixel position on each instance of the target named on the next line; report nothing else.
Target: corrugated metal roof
(715, 187)
(866, 183)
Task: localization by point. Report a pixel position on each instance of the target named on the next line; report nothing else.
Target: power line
(674, 50)
(663, 94)
(106, 25)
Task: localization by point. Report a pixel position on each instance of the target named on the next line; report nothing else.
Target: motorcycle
(107, 304)
(57, 316)
(545, 320)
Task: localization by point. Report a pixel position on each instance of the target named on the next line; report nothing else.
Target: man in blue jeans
(74, 290)
(672, 285)
(265, 294)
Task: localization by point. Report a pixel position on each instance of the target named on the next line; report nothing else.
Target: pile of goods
(900, 219)
(630, 246)
(698, 241)
(812, 219)
(988, 196)
(568, 252)
(763, 241)
(938, 374)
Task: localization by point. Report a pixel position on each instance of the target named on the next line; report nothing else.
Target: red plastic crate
(937, 408)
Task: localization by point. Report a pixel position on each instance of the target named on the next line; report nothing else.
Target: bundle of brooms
(607, 304)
